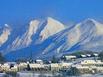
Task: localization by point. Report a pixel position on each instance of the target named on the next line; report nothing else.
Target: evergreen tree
(101, 56)
(54, 59)
(2, 59)
(73, 72)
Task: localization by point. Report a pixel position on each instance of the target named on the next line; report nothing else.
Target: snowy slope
(52, 27)
(50, 37)
(6, 31)
(25, 39)
(36, 33)
(86, 35)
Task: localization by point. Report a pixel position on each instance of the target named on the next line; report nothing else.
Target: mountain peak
(90, 20)
(52, 27)
(33, 22)
(53, 21)
(5, 34)
(50, 18)
(33, 26)
(98, 25)
(31, 30)
(6, 25)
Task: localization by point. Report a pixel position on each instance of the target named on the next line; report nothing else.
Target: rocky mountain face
(43, 39)
(4, 34)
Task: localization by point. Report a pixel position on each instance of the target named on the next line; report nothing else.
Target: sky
(66, 11)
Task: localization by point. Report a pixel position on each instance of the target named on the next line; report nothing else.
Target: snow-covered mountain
(35, 33)
(52, 27)
(25, 40)
(86, 35)
(50, 37)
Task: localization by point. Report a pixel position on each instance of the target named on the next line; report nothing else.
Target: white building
(65, 65)
(88, 55)
(95, 54)
(69, 57)
(9, 66)
(38, 61)
(22, 66)
(90, 65)
(55, 67)
(92, 62)
(36, 65)
(83, 56)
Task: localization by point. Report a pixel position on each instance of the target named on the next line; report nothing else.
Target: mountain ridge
(50, 37)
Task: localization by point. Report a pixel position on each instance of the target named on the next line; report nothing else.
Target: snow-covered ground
(30, 74)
